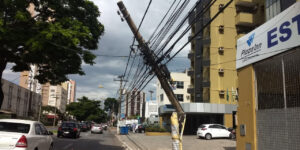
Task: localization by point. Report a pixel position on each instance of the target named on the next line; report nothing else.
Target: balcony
(206, 83)
(191, 55)
(206, 41)
(206, 62)
(244, 19)
(245, 3)
(191, 89)
(191, 17)
(190, 72)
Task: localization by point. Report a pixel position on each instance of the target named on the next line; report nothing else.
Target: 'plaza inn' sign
(279, 34)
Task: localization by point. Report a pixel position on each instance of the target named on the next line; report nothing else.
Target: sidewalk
(139, 141)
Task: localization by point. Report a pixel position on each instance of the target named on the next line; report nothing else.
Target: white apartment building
(151, 108)
(181, 82)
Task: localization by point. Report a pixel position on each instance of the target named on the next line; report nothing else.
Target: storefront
(268, 64)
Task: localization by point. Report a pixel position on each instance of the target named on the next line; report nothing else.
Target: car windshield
(202, 126)
(68, 125)
(14, 127)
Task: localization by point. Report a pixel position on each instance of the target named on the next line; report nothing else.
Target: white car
(209, 131)
(97, 128)
(16, 134)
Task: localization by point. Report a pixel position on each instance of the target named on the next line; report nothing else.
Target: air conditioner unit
(221, 29)
(221, 71)
(221, 6)
(221, 92)
(221, 50)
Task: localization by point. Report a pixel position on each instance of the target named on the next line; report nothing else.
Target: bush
(155, 128)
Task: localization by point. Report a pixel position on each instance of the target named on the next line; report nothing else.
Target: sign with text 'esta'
(279, 34)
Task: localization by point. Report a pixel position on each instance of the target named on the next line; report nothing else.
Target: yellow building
(269, 83)
(212, 73)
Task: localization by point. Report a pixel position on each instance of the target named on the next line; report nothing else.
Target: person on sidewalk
(133, 127)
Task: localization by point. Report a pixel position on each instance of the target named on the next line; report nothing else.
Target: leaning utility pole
(121, 79)
(163, 75)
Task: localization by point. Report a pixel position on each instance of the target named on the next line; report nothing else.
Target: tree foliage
(87, 110)
(111, 104)
(57, 37)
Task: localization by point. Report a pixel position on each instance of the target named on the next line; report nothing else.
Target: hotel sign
(279, 34)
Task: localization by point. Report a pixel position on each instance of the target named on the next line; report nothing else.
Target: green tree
(111, 104)
(87, 110)
(57, 37)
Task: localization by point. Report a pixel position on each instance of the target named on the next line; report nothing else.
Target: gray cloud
(116, 41)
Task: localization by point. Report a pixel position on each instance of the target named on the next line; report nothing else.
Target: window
(161, 97)
(179, 97)
(38, 130)
(179, 84)
(52, 90)
(43, 129)
(278, 81)
(14, 127)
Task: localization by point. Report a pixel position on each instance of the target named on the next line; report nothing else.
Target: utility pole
(162, 73)
(54, 119)
(121, 80)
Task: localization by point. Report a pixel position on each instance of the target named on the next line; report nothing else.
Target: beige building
(20, 101)
(181, 82)
(65, 93)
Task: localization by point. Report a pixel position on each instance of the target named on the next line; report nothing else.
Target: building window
(179, 84)
(179, 97)
(52, 90)
(161, 97)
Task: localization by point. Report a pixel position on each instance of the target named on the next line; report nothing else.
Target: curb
(137, 145)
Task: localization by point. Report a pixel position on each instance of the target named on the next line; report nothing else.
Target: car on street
(84, 127)
(209, 131)
(69, 129)
(97, 128)
(140, 128)
(17, 134)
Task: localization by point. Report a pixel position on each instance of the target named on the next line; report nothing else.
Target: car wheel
(232, 136)
(208, 136)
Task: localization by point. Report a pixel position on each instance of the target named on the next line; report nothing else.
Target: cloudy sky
(116, 41)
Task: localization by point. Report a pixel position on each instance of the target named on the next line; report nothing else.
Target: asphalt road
(88, 141)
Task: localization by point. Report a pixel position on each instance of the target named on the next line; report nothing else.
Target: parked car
(84, 127)
(209, 131)
(69, 129)
(16, 134)
(140, 128)
(97, 128)
(233, 132)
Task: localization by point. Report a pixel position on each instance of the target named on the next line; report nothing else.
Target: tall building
(151, 108)
(58, 97)
(213, 77)
(134, 104)
(65, 92)
(269, 84)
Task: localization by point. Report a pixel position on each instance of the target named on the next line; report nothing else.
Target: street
(88, 141)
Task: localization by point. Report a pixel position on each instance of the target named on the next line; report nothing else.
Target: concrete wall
(17, 100)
